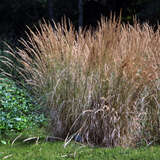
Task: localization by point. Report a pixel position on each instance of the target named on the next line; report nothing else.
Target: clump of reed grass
(102, 85)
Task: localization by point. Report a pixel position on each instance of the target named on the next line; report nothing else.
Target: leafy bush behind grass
(17, 110)
(103, 86)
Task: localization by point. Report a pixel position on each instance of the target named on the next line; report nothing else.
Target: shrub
(17, 111)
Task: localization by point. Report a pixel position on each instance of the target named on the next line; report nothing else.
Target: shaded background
(16, 14)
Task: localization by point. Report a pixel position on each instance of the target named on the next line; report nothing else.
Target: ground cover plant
(17, 110)
(102, 86)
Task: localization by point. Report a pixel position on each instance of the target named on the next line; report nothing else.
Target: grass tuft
(102, 85)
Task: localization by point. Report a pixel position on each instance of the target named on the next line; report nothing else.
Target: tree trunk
(80, 8)
(50, 12)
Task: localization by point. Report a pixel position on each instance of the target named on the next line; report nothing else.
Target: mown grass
(56, 151)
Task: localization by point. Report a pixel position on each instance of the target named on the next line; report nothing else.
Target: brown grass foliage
(102, 85)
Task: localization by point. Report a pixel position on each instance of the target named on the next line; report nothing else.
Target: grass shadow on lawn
(56, 151)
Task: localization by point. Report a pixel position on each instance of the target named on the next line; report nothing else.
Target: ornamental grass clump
(101, 85)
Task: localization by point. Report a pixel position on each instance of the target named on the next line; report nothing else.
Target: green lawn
(56, 151)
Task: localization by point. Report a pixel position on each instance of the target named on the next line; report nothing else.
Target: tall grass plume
(102, 85)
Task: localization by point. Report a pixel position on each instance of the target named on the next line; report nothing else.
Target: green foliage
(17, 110)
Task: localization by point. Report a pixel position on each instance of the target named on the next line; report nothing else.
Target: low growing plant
(17, 110)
